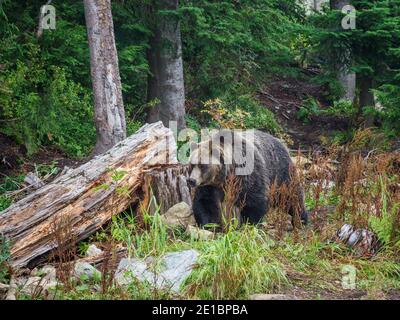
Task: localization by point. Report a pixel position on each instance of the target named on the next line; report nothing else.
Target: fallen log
(87, 196)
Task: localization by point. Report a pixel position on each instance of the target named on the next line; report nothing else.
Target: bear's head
(206, 165)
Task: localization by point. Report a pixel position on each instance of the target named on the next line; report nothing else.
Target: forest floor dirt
(14, 160)
(285, 96)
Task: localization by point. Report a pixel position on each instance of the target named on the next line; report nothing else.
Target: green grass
(235, 265)
(4, 259)
(242, 262)
(9, 184)
(250, 259)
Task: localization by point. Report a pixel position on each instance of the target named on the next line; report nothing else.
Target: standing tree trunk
(366, 97)
(346, 77)
(39, 31)
(108, 104)
(165, 83)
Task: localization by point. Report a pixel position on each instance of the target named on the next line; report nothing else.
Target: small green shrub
(389, 114)
(40, 106)
(259, 116)
(5, 202)
(386, 225)
(342, 108)
(193, 123)
(242, 112)
(132, 126)
(340, 137)
(4, 259)
(309, 108)
(9, 184)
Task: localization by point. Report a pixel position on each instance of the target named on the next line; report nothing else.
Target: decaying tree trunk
(108, 104)
(88, 196)
(169, 187)
(166, 83)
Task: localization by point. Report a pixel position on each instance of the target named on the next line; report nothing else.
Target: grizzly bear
(258, 159)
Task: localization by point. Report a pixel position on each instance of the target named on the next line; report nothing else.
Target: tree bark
(366, 97)
(39, 31)
(338, 4)
(346, 77)
(88, 196)
(365, 84)
(168, 185)
(108, 104)
(166, 82)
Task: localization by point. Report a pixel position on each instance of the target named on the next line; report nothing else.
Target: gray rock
(199, 234)
(49, 281)
(93, 251)
(86, 270)
(354, 238)
(167, 272)
(31, 286)
(129, 268)
(179, 215)
(46, 271)
(3, 290)
(345, 232)
(51, 284)
(178, 266)
(50, 272)
(36, 285)
(12, 290)
(363, 241)
(48, 275)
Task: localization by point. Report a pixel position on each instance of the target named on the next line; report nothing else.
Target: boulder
(199, 234)
(31, 286)
(93, 251)
(167, 272)
(47, 271)
(179, 215)
(363, 241)
(86, 270)
(12, 290)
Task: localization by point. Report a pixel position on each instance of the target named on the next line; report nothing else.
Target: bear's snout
(192, 182)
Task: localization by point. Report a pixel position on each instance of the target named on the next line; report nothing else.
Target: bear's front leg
(206, 205)
(254, 210)
(298, 209)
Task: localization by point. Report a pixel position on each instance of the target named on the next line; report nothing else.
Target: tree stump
(168, 186)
